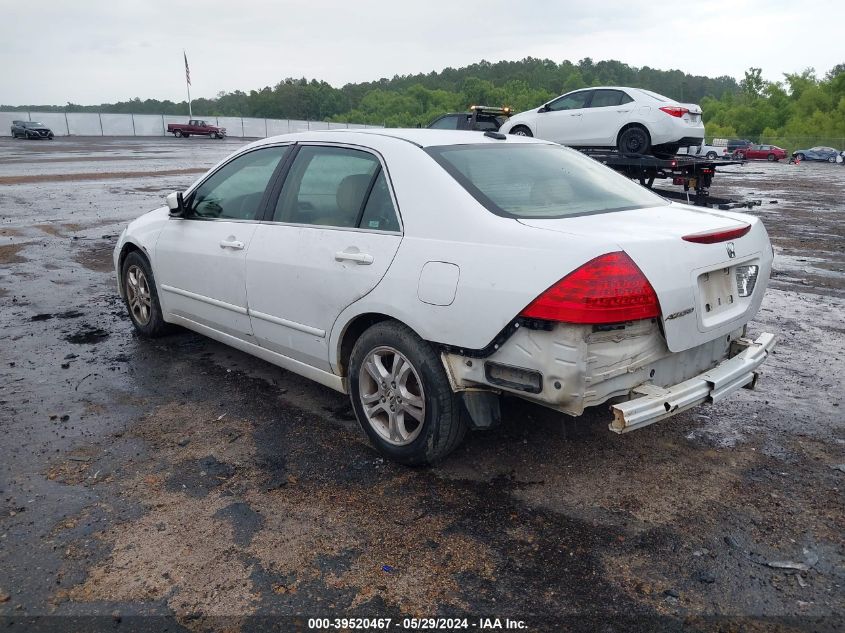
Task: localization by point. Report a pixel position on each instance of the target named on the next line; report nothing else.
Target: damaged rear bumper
(713, 385)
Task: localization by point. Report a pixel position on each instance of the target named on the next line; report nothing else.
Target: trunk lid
(695, 283)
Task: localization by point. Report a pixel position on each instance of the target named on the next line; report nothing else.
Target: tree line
(802, 106)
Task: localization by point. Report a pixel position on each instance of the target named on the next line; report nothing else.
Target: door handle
(232, 243)
(576, 115)
(359, 258)
(623, 111)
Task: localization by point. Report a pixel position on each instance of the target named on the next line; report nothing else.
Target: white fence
(102, 124)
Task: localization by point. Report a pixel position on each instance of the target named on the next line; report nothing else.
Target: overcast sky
(95, 51)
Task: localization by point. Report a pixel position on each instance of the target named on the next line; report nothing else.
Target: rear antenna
(496, 135)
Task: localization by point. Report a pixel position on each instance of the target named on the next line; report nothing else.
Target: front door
(200, 258)
(333, 234)
(562, 123)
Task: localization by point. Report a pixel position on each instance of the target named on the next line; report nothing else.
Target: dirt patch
(98, 257)
(108, 175)
(87, 335)
(9, 253)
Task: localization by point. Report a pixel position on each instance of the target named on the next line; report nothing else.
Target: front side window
(235, 190)
(540, 181)
(336, 187)
(572, 101)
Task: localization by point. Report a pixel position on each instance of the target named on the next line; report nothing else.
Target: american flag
(187, 70)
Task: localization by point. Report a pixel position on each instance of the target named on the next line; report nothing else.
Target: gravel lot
(204, 489)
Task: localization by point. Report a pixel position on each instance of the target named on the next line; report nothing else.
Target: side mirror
(545, 108)
(176, 204)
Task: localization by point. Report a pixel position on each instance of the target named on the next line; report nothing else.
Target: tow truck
(480, 117)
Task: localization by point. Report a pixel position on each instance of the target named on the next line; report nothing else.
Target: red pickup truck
(196, 127)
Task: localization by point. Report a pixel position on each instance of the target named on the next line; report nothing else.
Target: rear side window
(606, 98)
(528, 180)
(336, 187)
(445, 123)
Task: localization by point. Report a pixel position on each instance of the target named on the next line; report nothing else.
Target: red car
(770, 153)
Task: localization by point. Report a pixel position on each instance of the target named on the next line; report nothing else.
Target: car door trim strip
(291, 324)
(204, 299)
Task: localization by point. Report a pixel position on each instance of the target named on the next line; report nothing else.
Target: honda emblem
(731, 251)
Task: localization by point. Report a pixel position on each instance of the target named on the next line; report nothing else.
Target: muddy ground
(181, 485)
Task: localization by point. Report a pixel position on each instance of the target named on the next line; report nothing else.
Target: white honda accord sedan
(427, 272)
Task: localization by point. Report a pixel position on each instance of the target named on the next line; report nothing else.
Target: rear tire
(634, 140)
(832, 159)
(711, 155)
(141, 297)
(178, 134)
(402, 397)
(521, 130)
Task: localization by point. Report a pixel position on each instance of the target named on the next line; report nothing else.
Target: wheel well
(129, 247)
(519, 125)
(628, 126)
(353, 331)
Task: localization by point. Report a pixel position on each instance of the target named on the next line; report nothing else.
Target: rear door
(562, 122)
(327, 241)
(609, 110)
(200, 258)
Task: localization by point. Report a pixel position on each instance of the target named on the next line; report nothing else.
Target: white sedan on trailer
(426, 272)
(632, 120)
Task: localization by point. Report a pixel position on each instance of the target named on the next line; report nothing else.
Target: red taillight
(677, 111)
(607, 289)
(711, 237)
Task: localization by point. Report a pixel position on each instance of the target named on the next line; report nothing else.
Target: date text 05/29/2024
(415, 624)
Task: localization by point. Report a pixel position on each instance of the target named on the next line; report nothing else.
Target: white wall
(96, 124)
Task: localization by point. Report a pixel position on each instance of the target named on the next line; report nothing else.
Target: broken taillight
(607, 289)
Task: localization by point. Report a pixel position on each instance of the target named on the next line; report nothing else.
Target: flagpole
(188, 83)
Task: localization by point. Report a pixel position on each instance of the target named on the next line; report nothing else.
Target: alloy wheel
(138, 295)
(392, 396)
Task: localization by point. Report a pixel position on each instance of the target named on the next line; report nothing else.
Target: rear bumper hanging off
(657, 403)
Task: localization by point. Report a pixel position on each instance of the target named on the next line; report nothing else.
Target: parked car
(827, 154)
(771, 153)
(196, 127)
(632, 120)
(735, 144)
(481, 118)
(426, 272)
(717, 149)
(31, 129)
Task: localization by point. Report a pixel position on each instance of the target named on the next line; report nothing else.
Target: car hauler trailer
(694, 174)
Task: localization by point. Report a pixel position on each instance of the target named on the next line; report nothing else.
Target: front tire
(771, 158)
(141, 297)
(402, 397)
(799, 156)
(521, 130)
(634, 140)
(711, 155)
(214, 135)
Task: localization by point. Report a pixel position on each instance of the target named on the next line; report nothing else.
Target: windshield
(33, 124)
(540, 181)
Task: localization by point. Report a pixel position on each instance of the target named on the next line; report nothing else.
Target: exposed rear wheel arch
(353, 332)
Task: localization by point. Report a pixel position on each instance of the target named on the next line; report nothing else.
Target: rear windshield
(528, 180)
